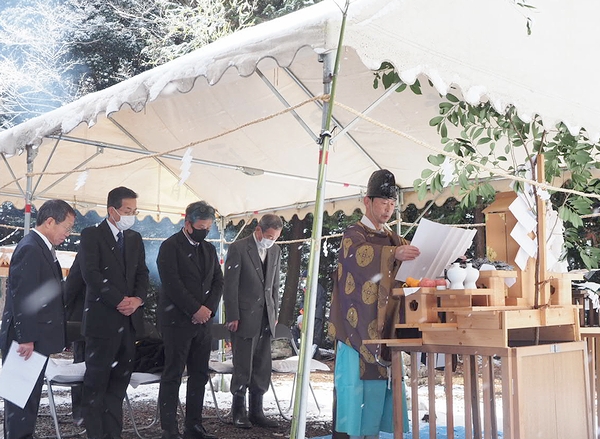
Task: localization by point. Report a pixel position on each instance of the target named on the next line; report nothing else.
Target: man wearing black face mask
(192, 284)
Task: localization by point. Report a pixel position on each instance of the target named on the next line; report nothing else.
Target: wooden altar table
(543, 390)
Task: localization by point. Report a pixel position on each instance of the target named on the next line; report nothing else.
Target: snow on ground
(283, 383)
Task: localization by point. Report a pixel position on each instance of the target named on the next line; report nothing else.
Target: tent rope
(465, 160)
(155, 155)
(10, 234)
(351, 110)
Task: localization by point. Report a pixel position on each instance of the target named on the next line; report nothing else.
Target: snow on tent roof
(210, 99)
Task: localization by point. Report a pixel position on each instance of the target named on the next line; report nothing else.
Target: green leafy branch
(503, 143)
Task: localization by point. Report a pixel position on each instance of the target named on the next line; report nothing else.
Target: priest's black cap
(382, 184)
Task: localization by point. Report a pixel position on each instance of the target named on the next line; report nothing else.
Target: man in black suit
(33, 313)
(74, 298)
(251, 298)
(113, 267)
(192, 284)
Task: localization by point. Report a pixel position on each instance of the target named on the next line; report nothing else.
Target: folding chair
(290, 365)
(149, 356)
(68, 375)
(138, 379)
(219, 332)
(62, 375)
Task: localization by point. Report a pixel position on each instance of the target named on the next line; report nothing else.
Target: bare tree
(53, 51)
(37, 69)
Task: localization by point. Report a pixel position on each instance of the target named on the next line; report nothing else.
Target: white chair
(290, 365)
(63, 375)
(70, 374)
(138, 379)
(219, 332)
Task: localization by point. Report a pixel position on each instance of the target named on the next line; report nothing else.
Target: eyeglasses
(128, 213)
(69, 230)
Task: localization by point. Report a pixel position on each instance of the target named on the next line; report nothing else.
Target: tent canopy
(210, 100)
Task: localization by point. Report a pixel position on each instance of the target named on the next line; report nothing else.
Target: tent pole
(221, 224)
(31, 153)
(330, 74)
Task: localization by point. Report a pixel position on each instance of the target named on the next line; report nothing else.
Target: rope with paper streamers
(11, 233)
(467, 161)
(292, 241)
(323, 97)
(289, 242)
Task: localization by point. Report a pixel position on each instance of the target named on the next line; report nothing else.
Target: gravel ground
(145, 411)
(144, 414)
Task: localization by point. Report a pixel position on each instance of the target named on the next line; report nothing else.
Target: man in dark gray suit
(192, 284)
(34, 314)
(113, 266)
(251, 298)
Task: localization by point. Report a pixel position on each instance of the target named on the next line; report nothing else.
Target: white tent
(480, 47)
(210, 98)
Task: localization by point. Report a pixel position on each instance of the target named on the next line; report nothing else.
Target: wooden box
(421, 307)
(551, 392)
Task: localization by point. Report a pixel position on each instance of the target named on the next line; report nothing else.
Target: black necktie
(121, 243)
(53, 251)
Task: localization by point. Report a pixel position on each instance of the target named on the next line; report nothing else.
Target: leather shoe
(170, 435)
(198, 432)
(239, 413)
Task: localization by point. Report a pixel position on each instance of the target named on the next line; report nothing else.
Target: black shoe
(262, 421)
(256, 415)
(198, 432)
(241, 421)
(170, 435)
(239, 413)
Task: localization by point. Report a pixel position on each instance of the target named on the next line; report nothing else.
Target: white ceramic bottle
(472, 274)
(456, 275)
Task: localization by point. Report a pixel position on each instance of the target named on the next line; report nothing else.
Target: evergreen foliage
(489, 139)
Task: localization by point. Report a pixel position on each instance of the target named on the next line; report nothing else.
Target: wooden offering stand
(494, 315)
(5, 262)
(534, 332)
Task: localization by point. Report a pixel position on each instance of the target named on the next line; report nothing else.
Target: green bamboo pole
(298, 429)
(31, 154)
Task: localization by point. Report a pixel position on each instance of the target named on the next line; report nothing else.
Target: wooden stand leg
(596, 382)
(414, 393)
(490, 430)
(449, 397)
(398, 396)
(475, 397)
(468, 391)
(431, 392)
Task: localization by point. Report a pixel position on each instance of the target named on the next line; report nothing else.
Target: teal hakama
(364, 407)
(362, 309)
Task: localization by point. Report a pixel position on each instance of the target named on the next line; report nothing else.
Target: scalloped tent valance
(210, 98)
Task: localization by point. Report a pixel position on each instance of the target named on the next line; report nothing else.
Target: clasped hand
(201, 316)
(129, 305)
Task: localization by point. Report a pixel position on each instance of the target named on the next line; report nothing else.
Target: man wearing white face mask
(251, 298)
(113, 266)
